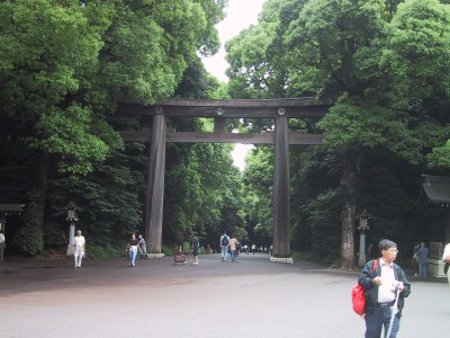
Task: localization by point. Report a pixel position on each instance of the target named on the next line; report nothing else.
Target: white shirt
(79, 242)
(386, 291)
(446, 254)
(2, 238)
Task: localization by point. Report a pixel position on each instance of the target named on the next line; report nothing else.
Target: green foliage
(63, 68)
(105, 250)
(386, 65)
(28, 239)
(440, 157)
(258, 181)
(357, 125)
(417, 52)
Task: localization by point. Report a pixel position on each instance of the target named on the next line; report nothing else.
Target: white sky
(239, 15)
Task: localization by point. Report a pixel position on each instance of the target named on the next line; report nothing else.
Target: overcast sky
(239, 15)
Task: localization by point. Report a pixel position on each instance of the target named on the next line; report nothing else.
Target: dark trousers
(2, 251)
(378, 318)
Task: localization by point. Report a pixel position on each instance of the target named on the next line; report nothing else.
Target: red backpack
(358, 297)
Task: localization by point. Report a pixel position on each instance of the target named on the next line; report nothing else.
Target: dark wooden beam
(295, 138)
(301, 107)
(193, 137)
(220, 125)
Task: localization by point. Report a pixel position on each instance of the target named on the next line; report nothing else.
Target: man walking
(381, 287)
(195, 247)
(79, 243)
(2, 245)
(224, 239)
(422, 260)
(233, 243)
(446, 260)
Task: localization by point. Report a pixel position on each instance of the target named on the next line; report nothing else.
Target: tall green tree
(363, 55)
(63, 67)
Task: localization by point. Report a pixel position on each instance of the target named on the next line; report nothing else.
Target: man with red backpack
(382, 285)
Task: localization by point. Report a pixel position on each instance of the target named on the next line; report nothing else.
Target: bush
(105, 251)
(168, 250)
(28, 239)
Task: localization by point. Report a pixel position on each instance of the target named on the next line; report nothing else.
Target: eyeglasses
(392, 250)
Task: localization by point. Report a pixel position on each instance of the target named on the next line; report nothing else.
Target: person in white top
(2, 245)
(79, 243)
(446, 260)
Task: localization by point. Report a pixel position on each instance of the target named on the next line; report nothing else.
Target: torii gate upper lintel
(278, 109)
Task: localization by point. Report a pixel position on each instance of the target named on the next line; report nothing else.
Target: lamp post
(363, 227)
(71, 218)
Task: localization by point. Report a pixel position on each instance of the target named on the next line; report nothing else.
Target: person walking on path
(195, 247)
(446, 260)
(224, 239)
(2, 245)
(422, 260)
(79, 245)
(381, 287)
(132, 248)
(142, 247)
(233, 243)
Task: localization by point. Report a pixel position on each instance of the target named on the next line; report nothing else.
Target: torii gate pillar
(155, 191)
(281, 207)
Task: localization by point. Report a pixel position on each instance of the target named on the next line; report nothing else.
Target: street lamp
(72, 219)
(363, 227)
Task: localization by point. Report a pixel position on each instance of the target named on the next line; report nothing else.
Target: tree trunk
(350, 185)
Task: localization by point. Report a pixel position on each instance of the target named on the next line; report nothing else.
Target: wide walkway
(251, 298)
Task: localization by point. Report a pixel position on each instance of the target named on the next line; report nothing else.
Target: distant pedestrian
(79, 246)
(142, 247)
(233, 244)
(132, 249)
(2, 245)
(271, 249)
(195, 247)
(253, 248)
(381, 288)
(422, 260)
(446, 260)
(224, 239)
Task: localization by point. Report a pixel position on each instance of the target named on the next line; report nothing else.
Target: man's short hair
(386, 244)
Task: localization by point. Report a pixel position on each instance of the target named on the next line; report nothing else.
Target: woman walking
(132, 249)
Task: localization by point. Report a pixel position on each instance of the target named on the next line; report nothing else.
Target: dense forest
(65, 65)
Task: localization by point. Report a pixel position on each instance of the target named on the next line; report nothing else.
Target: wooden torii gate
(278, 109)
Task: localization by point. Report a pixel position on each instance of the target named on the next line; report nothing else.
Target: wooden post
(155, 192)
(219, 125)
(281, 241)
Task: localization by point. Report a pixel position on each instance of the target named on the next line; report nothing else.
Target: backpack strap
(374, 266)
